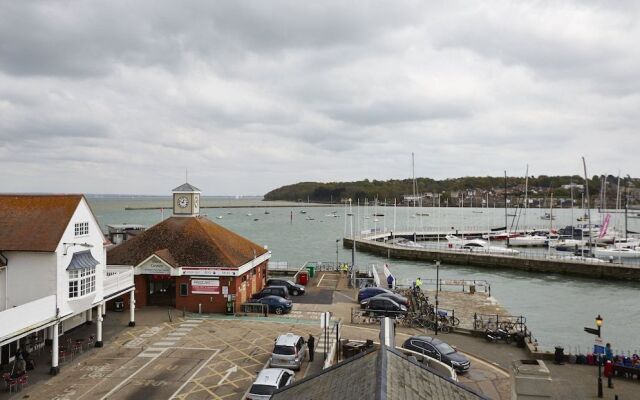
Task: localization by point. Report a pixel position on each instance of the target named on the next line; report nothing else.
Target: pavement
(169, 354)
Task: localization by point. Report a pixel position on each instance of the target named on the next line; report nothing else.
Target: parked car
(268, 381)
(370, 292)
(385, 307)
(276, 304)
(393, 296)
(294, 288)
(281, 291)
(289, 351)
(436, 348)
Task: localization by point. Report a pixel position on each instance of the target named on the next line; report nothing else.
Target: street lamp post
(437, 290)
(597, 332)
(337, 258)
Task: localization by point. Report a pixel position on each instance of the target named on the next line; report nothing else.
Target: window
(81, 228)
(82, 282)
(184, 289)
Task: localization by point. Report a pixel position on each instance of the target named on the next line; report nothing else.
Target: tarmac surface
(171, 356)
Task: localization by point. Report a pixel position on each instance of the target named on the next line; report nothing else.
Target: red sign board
(205, 286)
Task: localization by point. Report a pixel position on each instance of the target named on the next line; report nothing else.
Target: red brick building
(189, 262)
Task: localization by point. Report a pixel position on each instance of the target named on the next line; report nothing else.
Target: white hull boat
(528, 240)
(617, 253)
(477, 246)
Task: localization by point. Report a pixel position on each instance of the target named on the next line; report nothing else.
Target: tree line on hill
(396, 189)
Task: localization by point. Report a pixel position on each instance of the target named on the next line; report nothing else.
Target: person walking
(419, 284)
(311, 346)
(390, 281)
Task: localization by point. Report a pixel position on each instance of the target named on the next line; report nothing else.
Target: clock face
(183, 202)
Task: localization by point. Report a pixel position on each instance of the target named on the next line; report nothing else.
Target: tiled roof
(378, 374)
(187, 241)
(81, 260)
(186, 187)
(35, 222)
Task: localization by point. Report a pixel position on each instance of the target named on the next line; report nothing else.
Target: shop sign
(205, 286)
(208, 271)
(156, 269)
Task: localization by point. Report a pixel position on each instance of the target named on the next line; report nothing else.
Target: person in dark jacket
(311, 345)
(390, 281)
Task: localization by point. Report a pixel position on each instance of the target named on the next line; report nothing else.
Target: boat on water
(630, 243)
(256, 219)
(477, 246)
(528, 240)
(267, 212)
(310, 218)
(548, 217)
(249, 214)
(567, 244)
(422, 214)
(613, 253)
(405, 243)
(575, 258)
(497, 235)
(219, 216)
(378, 215)
(303, 212)
(584, 218)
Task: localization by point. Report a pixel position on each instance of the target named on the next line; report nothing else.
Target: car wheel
(279, 310)
(295, 292)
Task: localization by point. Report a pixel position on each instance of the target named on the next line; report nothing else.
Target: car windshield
(262, 389)
(290, 283)
(445, 348)
(284, 350)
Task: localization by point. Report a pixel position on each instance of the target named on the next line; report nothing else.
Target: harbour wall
(605, 271)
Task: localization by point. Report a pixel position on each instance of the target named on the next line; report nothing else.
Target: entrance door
(162, 290)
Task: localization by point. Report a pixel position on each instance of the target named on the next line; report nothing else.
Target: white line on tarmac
(321, 278)
(344, 295)
(118, 386)
(164, 343)
(194, 374)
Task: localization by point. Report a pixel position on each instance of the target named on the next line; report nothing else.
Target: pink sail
(605, 225)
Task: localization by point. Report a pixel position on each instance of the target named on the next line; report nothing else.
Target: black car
(370, 292)
(385, 307)
(294, 288)
(276, 304)
(439, 350)
(272, 291)
(393, 296)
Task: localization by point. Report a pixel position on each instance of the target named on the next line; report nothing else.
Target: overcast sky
(123, 96)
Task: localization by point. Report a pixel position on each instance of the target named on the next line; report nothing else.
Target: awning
(81, 260)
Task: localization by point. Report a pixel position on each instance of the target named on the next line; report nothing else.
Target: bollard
(199, 308)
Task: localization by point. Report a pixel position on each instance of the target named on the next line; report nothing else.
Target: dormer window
(81, 228)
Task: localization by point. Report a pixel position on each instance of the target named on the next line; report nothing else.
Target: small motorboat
(613, 253)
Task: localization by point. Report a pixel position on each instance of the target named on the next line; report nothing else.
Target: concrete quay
(608, 271)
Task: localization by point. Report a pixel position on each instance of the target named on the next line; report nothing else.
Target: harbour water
(557, 307)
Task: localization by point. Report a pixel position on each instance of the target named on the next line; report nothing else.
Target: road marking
(228, 372)
(164, 343)
(118, 386)
(176, 334)
(321, 278)
(194, 374)
(344, 295)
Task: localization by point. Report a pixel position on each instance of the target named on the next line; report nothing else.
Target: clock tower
(186, 201)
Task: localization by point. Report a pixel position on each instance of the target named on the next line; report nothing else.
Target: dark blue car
(370, 292)
(276, 304)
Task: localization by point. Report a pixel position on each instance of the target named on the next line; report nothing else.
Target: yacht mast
(586, 188)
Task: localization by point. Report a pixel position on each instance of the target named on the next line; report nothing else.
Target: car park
(436, 348)
(275, 304)
(268, 381)
(393, 296)
(294, 288)
(385, 307)
(370, 292)
(288, 352)
(281, 291)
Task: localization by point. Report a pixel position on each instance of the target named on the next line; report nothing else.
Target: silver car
(268, 381)
(288, 352)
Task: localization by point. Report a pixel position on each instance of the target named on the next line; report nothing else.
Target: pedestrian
(608, 353)
(390, 281)
(419, 284)
(311, 346)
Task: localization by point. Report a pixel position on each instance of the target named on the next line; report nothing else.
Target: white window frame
(82, 282)
(81, 229)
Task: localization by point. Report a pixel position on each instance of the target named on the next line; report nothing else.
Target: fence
(466, 285)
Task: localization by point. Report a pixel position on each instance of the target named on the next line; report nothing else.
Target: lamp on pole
(337, 258)
(437, 291)
(597, 332)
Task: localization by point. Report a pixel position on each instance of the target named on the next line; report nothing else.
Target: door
(161, 290)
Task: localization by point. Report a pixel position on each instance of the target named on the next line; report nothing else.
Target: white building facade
(53, 272)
